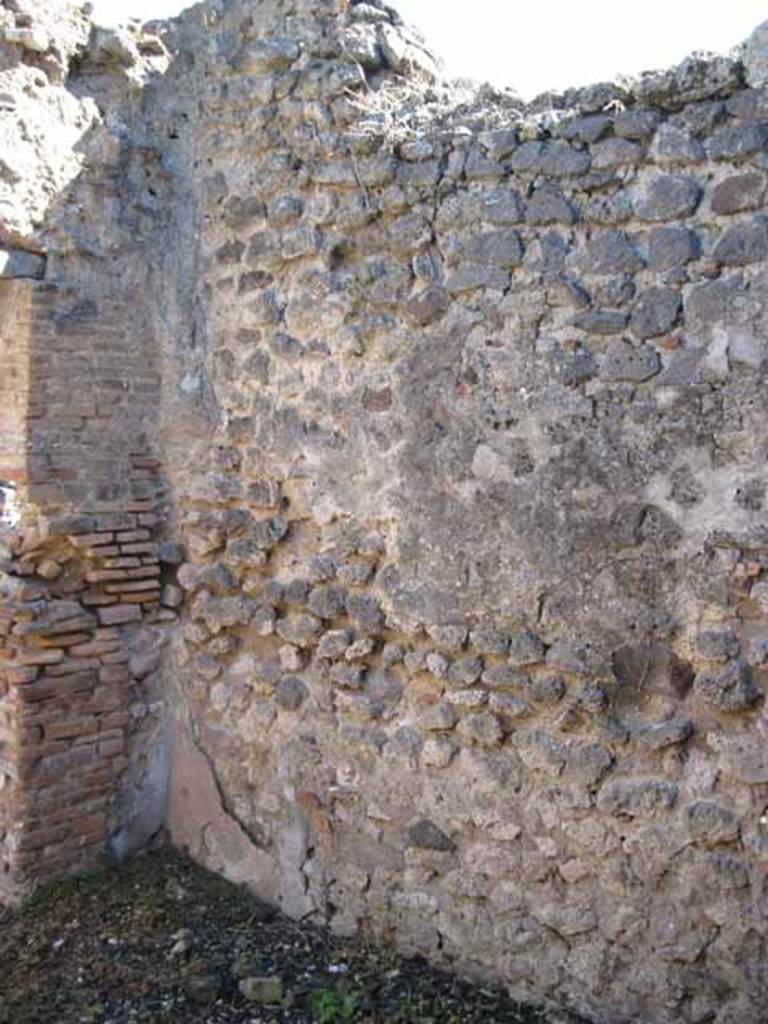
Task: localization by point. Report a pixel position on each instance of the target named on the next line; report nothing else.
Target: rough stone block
(17, 263)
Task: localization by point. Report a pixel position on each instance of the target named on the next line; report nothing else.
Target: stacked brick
(77, 593)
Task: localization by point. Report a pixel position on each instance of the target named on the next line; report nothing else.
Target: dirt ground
(161, 940)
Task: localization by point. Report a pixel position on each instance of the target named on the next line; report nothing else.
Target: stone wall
(457, 410)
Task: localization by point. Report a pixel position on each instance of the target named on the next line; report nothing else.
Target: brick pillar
(81, 575)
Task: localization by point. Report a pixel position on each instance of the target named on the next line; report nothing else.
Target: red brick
(115, 720)
(69, 640)
(115, 658)
(95, 599)
(72, 665)
(70, 729)
(89, 540)
(116, 521)
(119, 613)
(18, 676)
(133, 586)
(89, 823)
(131, 536)
(106, 575)
(142, 598)
(112, 748)
(47, 686)
(49, 657)
(139, 549)
(114, 674)
(96, 648)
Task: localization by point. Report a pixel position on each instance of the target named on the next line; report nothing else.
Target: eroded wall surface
(473, 652)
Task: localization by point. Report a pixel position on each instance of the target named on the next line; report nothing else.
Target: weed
(334, 1006)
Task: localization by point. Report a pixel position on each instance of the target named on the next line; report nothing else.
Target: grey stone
(712, 303)
(365, 612)
(613, 252)
(499, 143)
(18, 263)
(439, 718)
(739, 192)
(479, 166)
(483, 729)
(577, 367)
(636, 123)
(703, 117)
(425, 835)
(291, 693)
(726, 872)
(266, 990)
(489, 640)
(451, 638)
(731, 689)
(539, 751)
(392, 654)
(301, 630)
(667, 197)
(465, 671)
(546, 689)
(561, 160)
(674, 145)
(587, 763)
(503, 676)
(746, 242)
(624, 362)
(586, 128)
(572, 658)
(717, 645)
(633, 798)
(710, 823)
(437, 664)
(528, 157)
(501, 206)
(609, 209)
(296, 592)
(348, 676)
(592, 697)
(601, 322)
(170, 552)
(497, 248)
(334, 643)
(614, 291)
(525, 648)
(736, 142)
(661, 735)
(469, 276)
(327, 602)
(671, 247)
(655, 313)
(549, 206)
(616, 153)
(428, 306)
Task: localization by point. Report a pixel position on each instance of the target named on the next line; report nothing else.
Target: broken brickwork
(446, 418)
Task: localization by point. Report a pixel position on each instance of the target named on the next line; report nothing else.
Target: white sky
(548, 45)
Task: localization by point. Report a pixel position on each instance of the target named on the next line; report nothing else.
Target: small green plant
(334, 1006)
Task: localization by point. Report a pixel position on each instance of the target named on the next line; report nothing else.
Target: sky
(543, 45)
